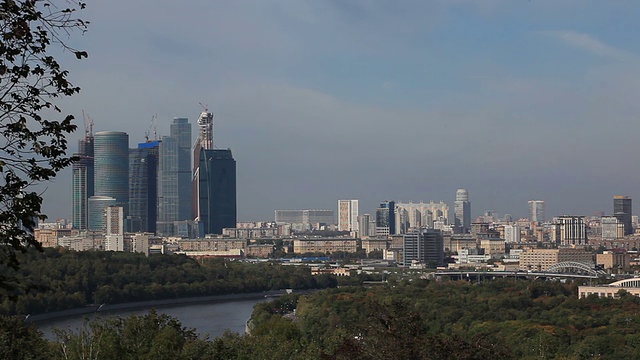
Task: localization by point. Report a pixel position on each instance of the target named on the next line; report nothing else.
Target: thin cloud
(590, 44)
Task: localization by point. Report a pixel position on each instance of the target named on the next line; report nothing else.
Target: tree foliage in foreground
(32, 144)
(503, 319)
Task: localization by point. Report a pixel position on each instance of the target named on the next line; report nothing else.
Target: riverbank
(114, 308)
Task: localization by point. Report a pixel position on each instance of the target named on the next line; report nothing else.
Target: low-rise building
(370, 245)
(324, 245)
(212, 244)
(262, 251)
(631, 286)
(542, 259)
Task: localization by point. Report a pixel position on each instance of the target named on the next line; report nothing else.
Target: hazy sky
(379, 100)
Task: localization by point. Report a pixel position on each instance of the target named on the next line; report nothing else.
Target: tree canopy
(33, 142)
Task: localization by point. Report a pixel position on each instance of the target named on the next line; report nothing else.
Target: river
(208, 319)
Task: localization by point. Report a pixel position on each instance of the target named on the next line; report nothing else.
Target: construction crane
(88, 127)
(152, 125)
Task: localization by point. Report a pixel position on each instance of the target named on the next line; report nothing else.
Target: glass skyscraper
(216, 190)
(143, 186)
(111, 161)
(174, 177)
(82, 182)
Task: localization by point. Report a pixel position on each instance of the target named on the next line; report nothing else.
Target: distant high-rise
(622, 211)
(571, 230)
(347, 215)
(143, 186)
(536, 210)
(216, 187)
(462, 211)
(364, 228)
(82, 182)
(174, 177)
(111, 161)
(424, 246)
(385, 218)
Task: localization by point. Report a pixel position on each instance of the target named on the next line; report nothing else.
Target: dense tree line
(59, 279)
(501, 319)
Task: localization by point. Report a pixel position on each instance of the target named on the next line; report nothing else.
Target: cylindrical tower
(96, 208)
(111, 162)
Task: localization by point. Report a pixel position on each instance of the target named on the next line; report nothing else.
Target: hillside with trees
(59, 279)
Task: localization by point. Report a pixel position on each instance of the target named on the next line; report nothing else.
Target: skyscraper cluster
(154, 184)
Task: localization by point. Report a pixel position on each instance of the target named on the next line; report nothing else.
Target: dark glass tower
(622, 211)
(216, 191)
(143, 186)
(82, 182)
(386, 216)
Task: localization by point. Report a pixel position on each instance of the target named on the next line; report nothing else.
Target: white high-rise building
(536, 210)
(462, 210)
(348, 215)
(512, 233)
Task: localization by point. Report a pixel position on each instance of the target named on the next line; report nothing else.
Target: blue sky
(375, 100)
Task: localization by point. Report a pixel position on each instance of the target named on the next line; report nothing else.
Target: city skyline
(404, 101)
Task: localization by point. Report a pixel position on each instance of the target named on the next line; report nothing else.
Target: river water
(208, 319)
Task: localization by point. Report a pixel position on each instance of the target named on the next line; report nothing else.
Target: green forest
(499, 319)
(59, 279)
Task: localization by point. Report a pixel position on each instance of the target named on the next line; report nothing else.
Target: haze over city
(372, 100)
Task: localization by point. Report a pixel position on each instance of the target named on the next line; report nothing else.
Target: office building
(536, 210)
(82, 182)
(571, 230)
(216, 191)
(385, 219)
(111, 162)
(512, 233)
(622, 211)
(143, 187)
(462, 211)
(214, 181)
(612, 228)
(174, 178)
(364, 226)
(424, 246)
(348, 215)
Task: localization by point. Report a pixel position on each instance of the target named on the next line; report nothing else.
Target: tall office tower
(174, 178)
(536, 210)
(180, 130)
(216, 191)
(82, 182)
(424, 246)
(364, 226)
(622, 211)
(462, 211)
(143, 186)
(96, 207)
(348, 215)
(385, 218)
(571, 230)
(111, 161)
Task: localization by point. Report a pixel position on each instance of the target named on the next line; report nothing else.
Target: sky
(321, 100)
